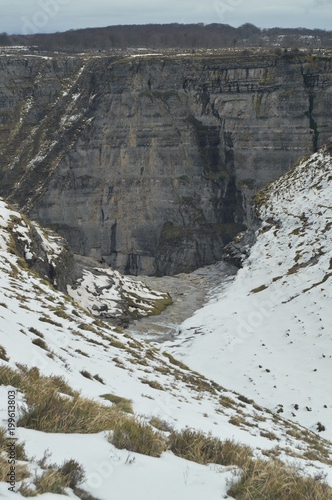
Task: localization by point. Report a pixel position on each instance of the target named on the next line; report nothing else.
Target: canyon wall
(149, 162)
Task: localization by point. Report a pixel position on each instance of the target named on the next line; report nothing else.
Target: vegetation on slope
(52, 406)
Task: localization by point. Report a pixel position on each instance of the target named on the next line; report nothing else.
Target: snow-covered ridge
(268, 334)
(300, 202)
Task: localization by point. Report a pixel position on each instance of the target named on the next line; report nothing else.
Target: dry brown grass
(3, 354)
(40, 343)
(54, 407)
(139, 437)
(159, 424)
(49, 411)
(227, 402)
(272, 480)
(19, 447)
(175, 361)
(122, 404)
(198, 447)
(21, 471)
(153, 384)
(49, 481)
(55, 479)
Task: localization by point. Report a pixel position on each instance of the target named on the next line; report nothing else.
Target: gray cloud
(319, 3)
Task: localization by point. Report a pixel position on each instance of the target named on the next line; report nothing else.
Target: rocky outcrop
(150, 163)
(41, 250)
(101, 291)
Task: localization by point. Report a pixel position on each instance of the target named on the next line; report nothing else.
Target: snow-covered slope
(268, 334)
(108, 294)
(103, 292)
(42, 327)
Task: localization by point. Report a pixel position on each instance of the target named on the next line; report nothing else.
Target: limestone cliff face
(149, 163)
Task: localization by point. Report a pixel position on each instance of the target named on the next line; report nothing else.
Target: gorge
(148, 160)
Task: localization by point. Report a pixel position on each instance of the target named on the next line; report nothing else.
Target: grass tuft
(73, 473)
(21, 470)
(40, 343)
(197, 447)
(153, 384)
(272, 480)
(99, 379)
(50, 481)
(3, 354)
(86, 374)
(161, 425)
(55, 480)
(138, 437)
(122, 404)
(36, 332)
(48, 411)
(175, 361)
(19, 447)
(53, 413)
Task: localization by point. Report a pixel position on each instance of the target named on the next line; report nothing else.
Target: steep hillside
(103, 292)
(43, 333)
(268, 333)
(148, 160)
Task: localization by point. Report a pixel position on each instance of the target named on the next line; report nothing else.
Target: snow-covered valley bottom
(189, 293)
(260, 342)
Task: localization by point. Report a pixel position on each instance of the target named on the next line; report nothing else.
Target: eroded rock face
(150, 163)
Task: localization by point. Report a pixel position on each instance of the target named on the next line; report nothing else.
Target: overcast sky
(47, 16)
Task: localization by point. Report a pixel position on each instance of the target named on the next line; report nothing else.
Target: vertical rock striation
(149, 163)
